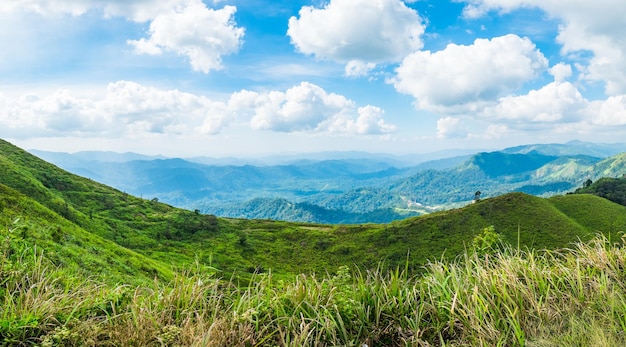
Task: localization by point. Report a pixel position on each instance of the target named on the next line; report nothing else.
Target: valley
(96, 251)
(347, 188)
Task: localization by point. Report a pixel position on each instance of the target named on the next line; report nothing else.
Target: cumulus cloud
(554, 103)
(463, 78)
(201, 34)
(450, 128)
(163, 111)
(125, 108)
(358, 32)
(129, 108)
(558, 107)
(308, 108)
(609, 112)
(561, 72)
(43, 7)
(595, 26)
(368, 122)
(357, 68)
(495, 131)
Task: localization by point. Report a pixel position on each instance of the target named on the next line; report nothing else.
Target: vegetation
(506, 296)
(282, 209)
(613, 189)
(357, 190)
(510, 164)
(82, 264)
(76, 211)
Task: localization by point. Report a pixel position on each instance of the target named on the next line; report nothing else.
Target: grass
(85, 224)
(82, 264)
(506, 297)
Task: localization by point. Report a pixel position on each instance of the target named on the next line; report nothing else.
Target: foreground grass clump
(573, 297)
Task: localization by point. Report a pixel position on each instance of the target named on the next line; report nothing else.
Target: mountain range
(348, 187)
(90, 226)
(106, 232)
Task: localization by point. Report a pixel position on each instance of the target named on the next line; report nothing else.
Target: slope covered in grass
(28, 224)
(610, 188)
(138, 224)
(510, 297)
(179, 238)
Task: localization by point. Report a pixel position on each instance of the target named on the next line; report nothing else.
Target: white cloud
(136, 10)
(130, 109)
(48, 8)
(308, 108)
(496, 131)
(450, 128)
(364, 31)
(557, 108)
(357, 68)
(467, 78)
(561, 72)
(610, 112)
(163, 111)
(125, 108)
(142, 10)
(369, 122)
(201, 34)
(595, 26)
(185, 27)
(554, 103)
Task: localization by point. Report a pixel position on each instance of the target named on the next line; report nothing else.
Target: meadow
(493, 294)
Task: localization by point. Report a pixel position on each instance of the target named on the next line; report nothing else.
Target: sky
(223, 78)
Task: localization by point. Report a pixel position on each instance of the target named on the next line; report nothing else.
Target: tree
(477, 195)
(587, 183)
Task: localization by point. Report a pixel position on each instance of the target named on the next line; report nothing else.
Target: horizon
(333, 155)
(263, 78)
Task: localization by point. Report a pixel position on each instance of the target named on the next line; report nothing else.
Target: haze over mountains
(346, 187)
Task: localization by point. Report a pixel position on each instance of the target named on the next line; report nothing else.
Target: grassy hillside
(613, 189)
(611, 167)
(29, 225)
(509, 297)
(178, 237)
(67, 241)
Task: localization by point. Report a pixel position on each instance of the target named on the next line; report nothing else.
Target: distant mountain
(219, 189)
(496, 164)
(600, 150)
(282, 209)
(399, 161)
(82, 224)
(347, 190)
(492, 174)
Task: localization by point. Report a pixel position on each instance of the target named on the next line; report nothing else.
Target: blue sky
(254, 77)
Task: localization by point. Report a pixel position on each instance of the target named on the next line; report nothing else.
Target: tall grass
(512, 297)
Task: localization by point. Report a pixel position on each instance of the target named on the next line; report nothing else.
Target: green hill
(31, 225)
(93, 237)
(613, 189)
(171, 237)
